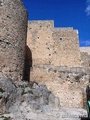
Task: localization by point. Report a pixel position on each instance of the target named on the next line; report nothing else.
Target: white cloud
(86, 43)
(88, 7)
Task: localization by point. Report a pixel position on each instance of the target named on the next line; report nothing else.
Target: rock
(54, 101)
(24, 102)
(7, 93)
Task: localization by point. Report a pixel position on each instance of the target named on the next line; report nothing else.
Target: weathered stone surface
(13, 28)
(85, 49)
(54, 86)
(7, 93)
(57, 62)
(66, 83)
(85, 57)
(35, 102)
(53, 46)
(37, 95)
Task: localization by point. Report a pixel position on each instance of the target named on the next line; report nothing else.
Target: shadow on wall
(28, 64)
(85, 118)
(84, 97)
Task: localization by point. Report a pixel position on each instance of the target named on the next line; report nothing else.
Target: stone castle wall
(85, 56)
(13, 29)
(58, 63)
(53, 46)
(66, 83)
(49, 53)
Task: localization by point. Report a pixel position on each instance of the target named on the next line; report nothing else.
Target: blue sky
(65, 13)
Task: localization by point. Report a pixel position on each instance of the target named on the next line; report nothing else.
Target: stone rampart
(13, 29)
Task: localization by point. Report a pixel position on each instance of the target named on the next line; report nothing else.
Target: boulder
(7, 93)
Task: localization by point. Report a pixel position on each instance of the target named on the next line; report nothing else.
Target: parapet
(66, 31)
(40, 24)
(64, 28)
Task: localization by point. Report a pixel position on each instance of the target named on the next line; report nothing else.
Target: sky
(65, 13)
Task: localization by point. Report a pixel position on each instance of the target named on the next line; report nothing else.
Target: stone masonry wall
(67, 83)
(66, 47)
(13, 29)
(40, 41)
(56, 62)
(53, 46)
(85, 56)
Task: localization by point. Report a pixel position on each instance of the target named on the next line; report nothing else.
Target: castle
(58, 62)
(54, 46)
(51, 56)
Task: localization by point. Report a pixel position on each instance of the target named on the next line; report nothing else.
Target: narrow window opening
(40, 26)
(61, 40)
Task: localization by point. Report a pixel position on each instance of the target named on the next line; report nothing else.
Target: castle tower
(13, 30)
(53, 46)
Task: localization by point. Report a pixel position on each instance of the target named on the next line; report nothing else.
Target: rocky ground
(32, 101)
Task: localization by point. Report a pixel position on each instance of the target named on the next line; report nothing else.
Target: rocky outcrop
(13, 29)
(32, 101)
(36, 95)
(7, 93)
